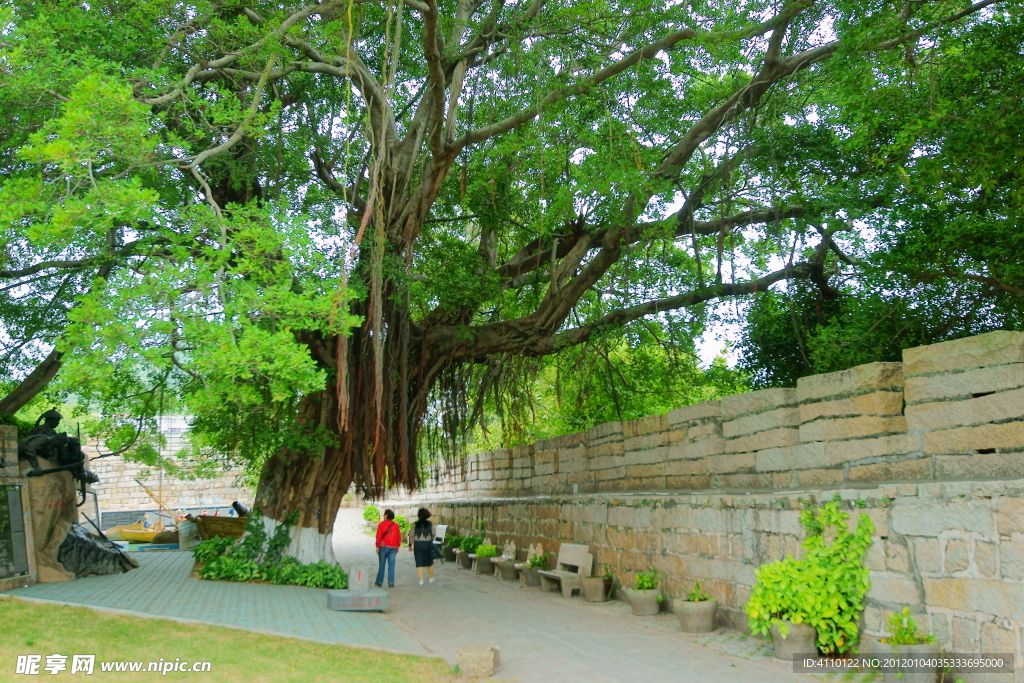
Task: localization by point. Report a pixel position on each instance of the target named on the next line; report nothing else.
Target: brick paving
(545, 638)
(161, 586)
(542, 636)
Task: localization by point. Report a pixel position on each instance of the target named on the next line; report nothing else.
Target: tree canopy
(342, 230)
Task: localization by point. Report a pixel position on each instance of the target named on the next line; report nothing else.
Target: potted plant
(533, 565)
(813, 604)
(598, 588)
(371, 515)
(451, 544)
(484, 553)
(907, 641)
(507, 570)
(779, 604)
(696, 612)
(467, 548)
(644, 596)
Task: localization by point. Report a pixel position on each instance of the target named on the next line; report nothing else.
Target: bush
(825, 588)
(904, 630)
(486, 550)
(537, 562)
(371, 513)
(471, 543)
(646, 581)
(232, 568)
(453, 542)
(254, 558)
(211, 548)
(403, 525)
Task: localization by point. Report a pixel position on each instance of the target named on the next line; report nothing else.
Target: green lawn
(235, 656)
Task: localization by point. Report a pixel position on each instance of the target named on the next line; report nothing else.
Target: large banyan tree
(331, 229)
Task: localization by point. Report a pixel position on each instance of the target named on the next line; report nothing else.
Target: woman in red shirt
(389, 538)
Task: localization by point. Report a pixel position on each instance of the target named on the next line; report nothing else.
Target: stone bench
(574, 562)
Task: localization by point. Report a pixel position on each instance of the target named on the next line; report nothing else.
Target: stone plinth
(53, 507)
(478, 661)
(358, 597)
(372, 600)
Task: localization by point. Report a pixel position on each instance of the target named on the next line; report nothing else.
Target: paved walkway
(542, 636)
(161, 586)
(545, 638)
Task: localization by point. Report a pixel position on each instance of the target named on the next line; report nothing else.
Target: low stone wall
(931, 449)
(953, 551)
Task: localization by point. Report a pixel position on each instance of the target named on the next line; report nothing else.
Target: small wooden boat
(138, 533)
(231, 527)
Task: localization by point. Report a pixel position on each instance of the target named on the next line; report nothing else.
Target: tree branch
(33, 384)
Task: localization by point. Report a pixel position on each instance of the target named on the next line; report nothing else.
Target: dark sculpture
(81, 552)
(64, 451)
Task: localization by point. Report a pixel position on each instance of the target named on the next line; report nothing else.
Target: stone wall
(963, 420)
(10, 476)
(117, 489)
(9, 451)
(953, 551)
(930, 449)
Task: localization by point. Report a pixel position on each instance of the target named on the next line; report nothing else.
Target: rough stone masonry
(930, 449)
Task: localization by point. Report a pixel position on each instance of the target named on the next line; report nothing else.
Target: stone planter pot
(802, 639)
(644, 602)
(449, 553)
(465, 561)
(919, 650)
(508, 571)
(530, 577)
(596, 588)
(483, 565)
(696, 617)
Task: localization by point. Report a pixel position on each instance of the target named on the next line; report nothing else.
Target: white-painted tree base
(307, 545)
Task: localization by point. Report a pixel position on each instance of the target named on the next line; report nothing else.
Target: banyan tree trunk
(374, 419)
(313, 484)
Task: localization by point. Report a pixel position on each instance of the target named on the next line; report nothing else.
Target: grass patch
(33, 628)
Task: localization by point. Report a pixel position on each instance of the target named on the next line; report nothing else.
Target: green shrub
(232, 568)
(471, 543)
(537, 562)
(648, 580)
(486, 550)
(320, 575)
(904, 630)
(371, 513)
(403, 525)
(825, 588)
(211, 548)
(254, 558)
(453, 542)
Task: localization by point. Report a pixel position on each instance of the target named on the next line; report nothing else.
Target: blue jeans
(386, 555)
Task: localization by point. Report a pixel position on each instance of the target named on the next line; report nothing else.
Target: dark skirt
(421, 551)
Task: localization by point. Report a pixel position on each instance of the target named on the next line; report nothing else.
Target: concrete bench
(574, 562)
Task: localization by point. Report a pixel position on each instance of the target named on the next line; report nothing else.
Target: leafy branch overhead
(341, 233)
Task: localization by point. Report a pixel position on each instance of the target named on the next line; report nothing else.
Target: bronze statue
(64, 451)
